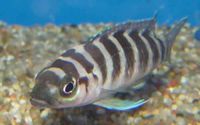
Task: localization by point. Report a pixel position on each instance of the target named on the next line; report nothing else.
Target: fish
(112, 61)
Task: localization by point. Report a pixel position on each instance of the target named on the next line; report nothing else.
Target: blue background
(32, 12)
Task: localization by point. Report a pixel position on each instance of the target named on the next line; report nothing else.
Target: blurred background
(29, 42)
(32, 12)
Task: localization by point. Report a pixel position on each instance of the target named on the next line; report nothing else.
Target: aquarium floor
(26, 50)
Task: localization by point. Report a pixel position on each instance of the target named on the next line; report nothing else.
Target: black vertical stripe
(67, 67)
(128, 50)
(163, 49)
(80, 58)
(142, 49)
(47, 75)
(153, 46)
(113, 51)
(85, 81)
(98, 57)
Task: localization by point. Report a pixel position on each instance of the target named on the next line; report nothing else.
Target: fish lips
(39, 103)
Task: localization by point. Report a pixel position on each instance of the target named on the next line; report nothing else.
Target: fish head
(56, 89)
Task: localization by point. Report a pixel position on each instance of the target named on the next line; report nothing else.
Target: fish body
(112, 61)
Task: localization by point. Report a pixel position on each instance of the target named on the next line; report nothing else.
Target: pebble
(174, 107)
(101, 111)
(180, 121)
(28, 120)
(167, 101)
(79, 120)
(197, 100)
(148, 116)
(137, 120)
(44, 114)
(197, 117)
(184, 80)
(22, 102)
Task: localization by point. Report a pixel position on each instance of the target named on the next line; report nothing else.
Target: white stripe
(81, 70)
(122, 61)
(108, 60)
(88, 57)
(149, 49)
(136, 56)
(158, 46)
(59, 72)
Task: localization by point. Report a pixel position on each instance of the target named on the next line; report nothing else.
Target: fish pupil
(68, 88)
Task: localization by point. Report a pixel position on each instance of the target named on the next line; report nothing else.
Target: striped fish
(112, 61)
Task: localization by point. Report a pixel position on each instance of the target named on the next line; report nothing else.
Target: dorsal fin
(138, 25)
(149, 24)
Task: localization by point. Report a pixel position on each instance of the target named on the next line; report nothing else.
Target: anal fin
(119, 104)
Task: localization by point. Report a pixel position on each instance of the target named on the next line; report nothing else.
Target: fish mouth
(39, 103)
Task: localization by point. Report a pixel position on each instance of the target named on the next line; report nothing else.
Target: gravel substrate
(26, 50)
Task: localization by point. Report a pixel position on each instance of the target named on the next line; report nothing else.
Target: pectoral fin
(119, 104)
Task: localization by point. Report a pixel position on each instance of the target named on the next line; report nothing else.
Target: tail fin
(171, 36)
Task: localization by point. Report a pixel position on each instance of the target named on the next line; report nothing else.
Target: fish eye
(68, 88)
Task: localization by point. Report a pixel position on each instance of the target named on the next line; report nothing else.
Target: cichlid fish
(111, 62)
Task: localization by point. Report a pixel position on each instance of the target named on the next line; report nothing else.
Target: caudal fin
(171, 36)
